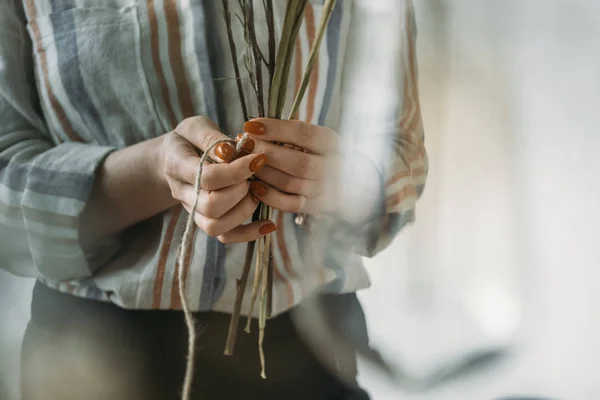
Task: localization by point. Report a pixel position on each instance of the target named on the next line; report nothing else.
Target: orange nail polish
(255, 128)
(258, 162)
(243, 153)
(249, 145)
(268, 228)
(225, 152)
(259, 188)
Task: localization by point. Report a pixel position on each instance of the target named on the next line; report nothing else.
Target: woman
(105, 106)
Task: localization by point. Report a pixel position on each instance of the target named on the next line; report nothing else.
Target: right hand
(225, 201)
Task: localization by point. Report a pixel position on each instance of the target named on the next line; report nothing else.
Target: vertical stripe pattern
(89, 94)
(43, 66)
(154, 40)
(68, 52)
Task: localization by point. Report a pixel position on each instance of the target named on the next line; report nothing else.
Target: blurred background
(504, 258)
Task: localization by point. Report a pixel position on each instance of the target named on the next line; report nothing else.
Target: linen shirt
(82, 78)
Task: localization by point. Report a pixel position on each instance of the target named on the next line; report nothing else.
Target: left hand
(306, 174)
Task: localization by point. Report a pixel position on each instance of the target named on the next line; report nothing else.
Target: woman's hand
(225, 201)
(308, 174)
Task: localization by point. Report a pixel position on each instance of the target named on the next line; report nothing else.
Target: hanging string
(182, 254)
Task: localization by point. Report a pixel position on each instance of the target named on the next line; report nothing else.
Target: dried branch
(256, 52)
(268, 4)
(240, 289)
(233, 51)
(293, 19)
(326, 16)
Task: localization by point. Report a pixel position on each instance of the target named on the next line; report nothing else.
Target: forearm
(129, 188)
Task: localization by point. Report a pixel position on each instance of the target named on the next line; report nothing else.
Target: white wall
(510, 90)
(15, 296)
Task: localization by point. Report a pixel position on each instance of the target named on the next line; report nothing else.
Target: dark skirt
(85, 350)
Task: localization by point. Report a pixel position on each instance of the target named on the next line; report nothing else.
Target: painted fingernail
(254, 198)
(225, 152)
(258, 162)
(249, 145)
(259, 188)
(243, 153)
(268, 228)
(255, 128)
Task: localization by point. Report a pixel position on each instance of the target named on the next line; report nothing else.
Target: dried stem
(268, 4)
(258, 271)
(240, 289)
(261, 265)
(241, 282)
(293, 19)
(257, 53)
(262, 319)
(314, 52)
(279, 65)
(233, 51)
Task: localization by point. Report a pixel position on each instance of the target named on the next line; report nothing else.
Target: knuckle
(237, 174)
(224, 239)
(296, 207)
(298, 204)
(303, 165)
(186, 125)
(296, 186)
(210, 210)
(211, 228)
(304, 132)
(210, 207)
(171, 166)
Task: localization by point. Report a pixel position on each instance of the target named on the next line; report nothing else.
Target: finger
(248, 232)
(277, 199)
(293, 162)
(322, 204)
(203, 133)
(314, 138)
(218, 176)
(288, 183)
(239, 214)
(214, 204)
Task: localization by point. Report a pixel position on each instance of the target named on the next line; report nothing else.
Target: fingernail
(268, 228)
(225, 152)
(255, 128)
(258, 188)
(243, 153)
(249, 145)
(258, 162)
(254, 198)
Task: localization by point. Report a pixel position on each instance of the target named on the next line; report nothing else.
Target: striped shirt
(81, 78)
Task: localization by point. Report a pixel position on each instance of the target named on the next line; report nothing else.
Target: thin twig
(268, 4)
(270, 275)
(312, 59)
(262, 316)
(233, 51)
(314, 52)
(240, 289)
(256, 52)
(293, 19)
(260, 268)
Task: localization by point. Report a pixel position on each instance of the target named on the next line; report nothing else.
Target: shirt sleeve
(385, 122)
(44, 187)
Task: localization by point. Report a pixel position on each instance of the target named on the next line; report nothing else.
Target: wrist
(156, 165)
